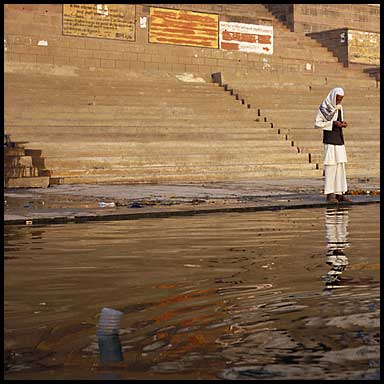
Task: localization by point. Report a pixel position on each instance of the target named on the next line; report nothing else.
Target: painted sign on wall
(363, 47)
(170, 26)
(246, 37)
(109, 21)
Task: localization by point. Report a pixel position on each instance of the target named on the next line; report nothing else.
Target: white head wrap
(328, 107)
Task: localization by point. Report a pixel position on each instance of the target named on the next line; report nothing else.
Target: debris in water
(135, 205)
(102, 204)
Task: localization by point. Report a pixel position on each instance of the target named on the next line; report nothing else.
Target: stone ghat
(109, 111)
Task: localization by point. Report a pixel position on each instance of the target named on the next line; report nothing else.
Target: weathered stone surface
(351, 46)
(319, 17)
(27, 182)
(105, 110)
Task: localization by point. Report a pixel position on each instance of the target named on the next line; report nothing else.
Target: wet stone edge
(142, 215)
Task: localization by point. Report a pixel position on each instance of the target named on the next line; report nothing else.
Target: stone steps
(186, 168)
(354, 157)
(169, 174)
(23, 168)
(325, 82)
(137, 137)
(118, 126)
(126, 131)
(216, 102)
(185, 172)
(148, 88)
(348, 135)
(312, 146)
(206, 160)
(163, 147)
(149, 125)
(28, 182)
(203, 176)
(305, 114)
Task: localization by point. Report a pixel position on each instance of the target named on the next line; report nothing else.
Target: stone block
(25, 57)
(44, 59)
(56, 180)
(61, 60)
(144, 57)
(25, 161)
(130, 56)
(151, 66)
(92, 62)
(165, 67)
(185, 60)
(122, 64)
(104, 63)
(12, 57)
(33, 152)
(178, 67)
(157, 59)
(38, 162)
(81, 52)
(27, 182)
(44, 172)
(78, 61)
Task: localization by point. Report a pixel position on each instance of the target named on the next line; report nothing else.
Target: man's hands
(340, 124)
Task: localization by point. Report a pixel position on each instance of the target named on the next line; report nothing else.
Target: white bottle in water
(102, 204)
(109, 322)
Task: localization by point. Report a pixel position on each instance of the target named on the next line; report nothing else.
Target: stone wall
(36, 34)
(308, 18)
(363, 47)
(351, 46)
(320, 17)
(284, 12)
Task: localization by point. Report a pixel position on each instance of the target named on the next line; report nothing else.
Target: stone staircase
(152, 129)
(279, 14)
(291, 105)
(24, 168)
(118, 126)
(290, 100)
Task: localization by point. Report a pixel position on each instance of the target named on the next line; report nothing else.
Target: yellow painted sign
(108, 21)
(170, 26)
(363, 47)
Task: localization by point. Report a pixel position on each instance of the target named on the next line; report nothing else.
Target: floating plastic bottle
(109, 322)
(102, 204)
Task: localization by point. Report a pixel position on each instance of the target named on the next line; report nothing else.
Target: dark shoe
(332, 199)
(343, 198)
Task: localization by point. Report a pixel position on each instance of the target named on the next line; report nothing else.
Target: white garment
(328, 106)
(322, 122)
(335, 179)
(327, 111)
(334, 154)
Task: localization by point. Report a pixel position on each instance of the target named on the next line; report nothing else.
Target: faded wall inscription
(363, 47)
(109, 21)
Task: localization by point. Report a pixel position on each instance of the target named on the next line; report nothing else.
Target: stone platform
(81, 203)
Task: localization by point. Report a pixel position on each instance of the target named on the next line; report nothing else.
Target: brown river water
(291, 294)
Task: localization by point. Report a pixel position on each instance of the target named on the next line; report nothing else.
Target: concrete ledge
(28, 182)
(266, 204)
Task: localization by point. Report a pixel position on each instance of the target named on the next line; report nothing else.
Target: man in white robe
(330, 118)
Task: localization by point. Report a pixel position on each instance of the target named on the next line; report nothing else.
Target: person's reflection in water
(336, 232)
